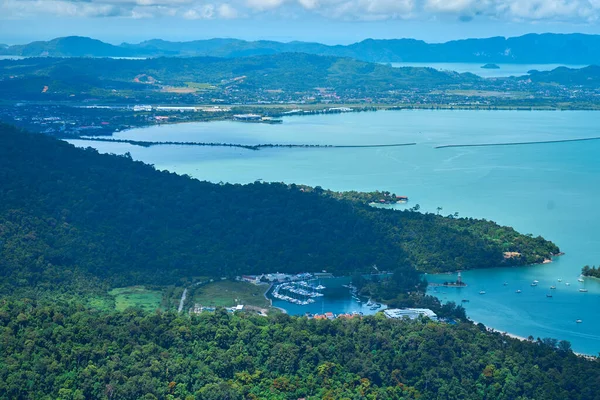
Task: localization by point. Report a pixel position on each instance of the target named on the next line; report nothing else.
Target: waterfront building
(412, 313)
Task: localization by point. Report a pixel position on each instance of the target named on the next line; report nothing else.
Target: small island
(591, 272)
(490, 66)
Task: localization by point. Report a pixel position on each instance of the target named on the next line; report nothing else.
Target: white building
(412, 313)
(180, 108)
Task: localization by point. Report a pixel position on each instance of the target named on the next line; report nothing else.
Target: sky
(325, 21)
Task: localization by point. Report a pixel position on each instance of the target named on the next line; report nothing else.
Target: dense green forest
(64, 351)
(69, 214)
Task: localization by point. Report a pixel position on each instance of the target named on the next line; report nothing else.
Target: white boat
(579, 321)
(482, 292)
(580, 280)
(583, 290)
(536, 281)
(552, 287)
(559, 279)
(518, 291)
(568, 284)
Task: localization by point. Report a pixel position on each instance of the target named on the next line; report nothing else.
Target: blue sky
(327, 21)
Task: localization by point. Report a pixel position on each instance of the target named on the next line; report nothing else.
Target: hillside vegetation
(289, 72)
(64, 351)
(69, 214)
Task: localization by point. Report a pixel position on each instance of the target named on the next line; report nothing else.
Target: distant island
(490, 66)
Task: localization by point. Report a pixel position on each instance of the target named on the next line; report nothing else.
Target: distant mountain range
(531, 48)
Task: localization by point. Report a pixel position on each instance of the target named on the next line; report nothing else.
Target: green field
(136, 296)
(200, 86)
(225, 294)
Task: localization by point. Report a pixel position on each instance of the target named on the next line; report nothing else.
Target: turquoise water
(546, 189)
(475, 68)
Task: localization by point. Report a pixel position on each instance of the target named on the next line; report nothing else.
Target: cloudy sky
(329, 21)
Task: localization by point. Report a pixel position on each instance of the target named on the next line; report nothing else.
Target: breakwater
(242, 146)
(516, 143)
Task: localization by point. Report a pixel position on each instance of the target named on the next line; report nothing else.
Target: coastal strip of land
(243, 146)
(524, 339)
(516, 143)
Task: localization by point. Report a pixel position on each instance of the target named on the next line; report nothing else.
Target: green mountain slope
(288, 72)
(68, 213)
(68, 352)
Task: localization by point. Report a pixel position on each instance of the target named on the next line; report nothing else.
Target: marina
(301, 293)
(318, 297)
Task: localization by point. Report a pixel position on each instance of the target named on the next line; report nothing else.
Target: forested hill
(527, 49)
(287, 72)
(67, 212)
(68, 352)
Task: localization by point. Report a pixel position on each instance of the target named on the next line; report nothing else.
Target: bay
(547, 189)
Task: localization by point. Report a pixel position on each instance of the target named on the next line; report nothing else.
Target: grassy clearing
(225, 293)
(200, 86)
(103, 303)
(136, 296)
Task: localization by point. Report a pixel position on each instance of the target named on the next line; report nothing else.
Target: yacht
(568, 284)
(579, 321)
(518, 291)
(583, 290)
(580, 280)
(560, 279)
(482, 292)
(553, 287)
(534, 283)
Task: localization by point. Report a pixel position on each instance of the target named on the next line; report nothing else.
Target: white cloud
(226, 11)
(585, 11)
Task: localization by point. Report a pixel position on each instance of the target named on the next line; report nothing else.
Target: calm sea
(475, 68)
(544, 189)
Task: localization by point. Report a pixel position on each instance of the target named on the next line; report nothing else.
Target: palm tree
(439, 209)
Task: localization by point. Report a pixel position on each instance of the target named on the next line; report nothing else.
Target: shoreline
(271, 300)
(524, 339)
